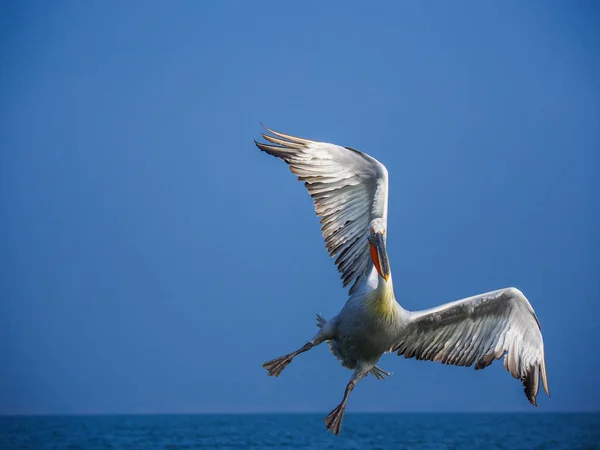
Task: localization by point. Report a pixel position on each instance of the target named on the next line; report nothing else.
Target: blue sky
(153, 258)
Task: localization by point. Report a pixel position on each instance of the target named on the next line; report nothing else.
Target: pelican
(350, 193)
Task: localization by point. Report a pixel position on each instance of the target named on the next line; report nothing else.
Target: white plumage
(350, 193)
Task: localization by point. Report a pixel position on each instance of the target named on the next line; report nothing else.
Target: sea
(303, 431)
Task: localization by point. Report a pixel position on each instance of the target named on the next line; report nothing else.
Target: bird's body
(368, 324)
(350, 193)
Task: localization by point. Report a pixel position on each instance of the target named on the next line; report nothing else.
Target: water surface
(303, 431)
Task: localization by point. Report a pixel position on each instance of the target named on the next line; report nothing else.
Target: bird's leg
(276, 366)
(333, 421)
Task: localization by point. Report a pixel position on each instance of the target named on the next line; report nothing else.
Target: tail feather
(320, 320)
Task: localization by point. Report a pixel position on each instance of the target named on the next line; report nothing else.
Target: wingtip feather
(295, 139)
(283, 142)
(544, 377)
(279, 152)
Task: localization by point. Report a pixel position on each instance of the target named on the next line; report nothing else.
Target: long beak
(379, 255)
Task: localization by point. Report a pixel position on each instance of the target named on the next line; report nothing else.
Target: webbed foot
(379, 373)
(333, 421)
(276, 366)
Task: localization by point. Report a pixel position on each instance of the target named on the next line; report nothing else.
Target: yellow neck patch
(380, 302)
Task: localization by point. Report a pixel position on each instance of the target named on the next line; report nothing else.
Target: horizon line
(272, 413)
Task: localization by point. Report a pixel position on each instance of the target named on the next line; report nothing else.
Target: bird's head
(376, 237)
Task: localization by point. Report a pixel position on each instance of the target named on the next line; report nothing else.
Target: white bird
(350, 193)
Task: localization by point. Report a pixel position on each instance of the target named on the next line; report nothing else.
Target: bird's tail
(320, 320)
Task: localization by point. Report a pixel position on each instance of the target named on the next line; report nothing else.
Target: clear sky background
(153, 257)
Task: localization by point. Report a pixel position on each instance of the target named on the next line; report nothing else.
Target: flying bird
(350, 193)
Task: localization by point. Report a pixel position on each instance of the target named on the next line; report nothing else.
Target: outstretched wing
(349, 189)
(479, 330)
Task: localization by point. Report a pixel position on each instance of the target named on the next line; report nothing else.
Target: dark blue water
(303, 431)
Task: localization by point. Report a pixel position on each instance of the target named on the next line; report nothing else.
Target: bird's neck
(381, 301)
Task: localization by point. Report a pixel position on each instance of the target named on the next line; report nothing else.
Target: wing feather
(479, 330)
(348, 188)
